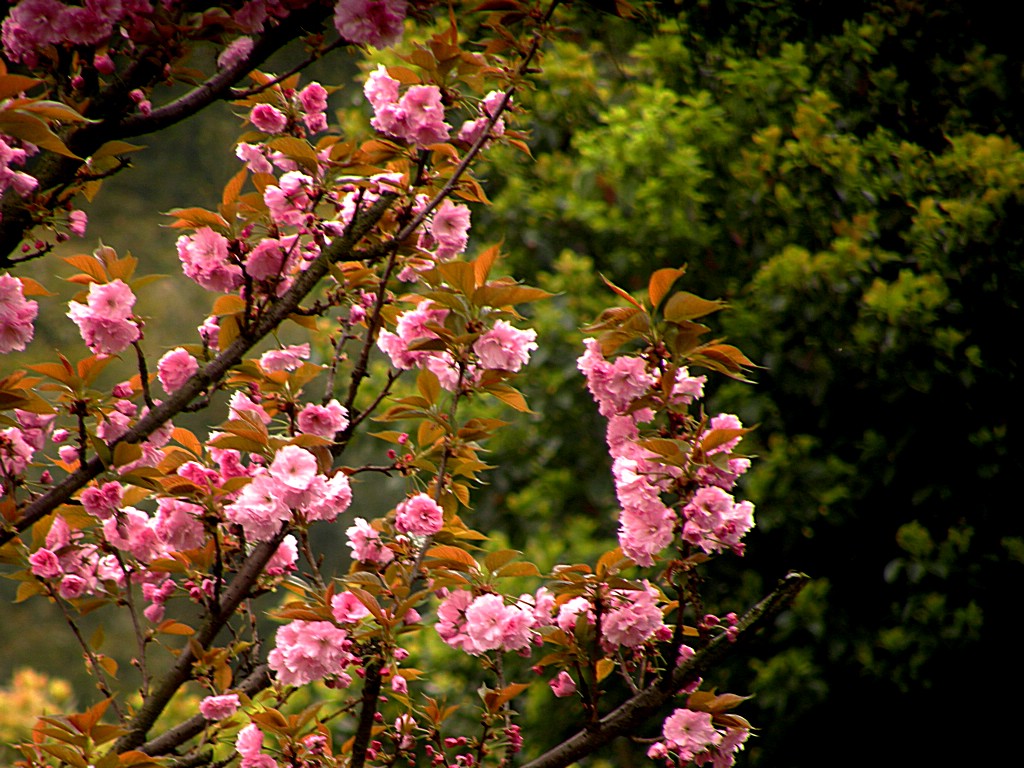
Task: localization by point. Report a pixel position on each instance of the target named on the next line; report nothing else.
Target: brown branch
(371, 695)
(173, 738)
(181, 672)
(57, 172)
(209, 374)
(638, 710)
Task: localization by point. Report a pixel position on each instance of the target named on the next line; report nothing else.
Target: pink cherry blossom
(241, 403)
(310, 650)
(569, 612)
(289, 200)
(284, 359)
(329, 499)
(179, 524)
(175, 368)
(249, 744)
(451, 619)
(365, 543)
(714, 521)
(614, 385)
(30, 26)
(490, 625)
(259, 508)
(419, 515)
(413, 326)
(725, 421)
(133, 531)
(449, 229)
(472, 129)
(687, 388)
(423, 116)
(346, 608)
(323, 420)
(253, 155)
(688, 732)
(219, 707)
(16, 315)
(284, 558)
(313, 99)
(105, 321)
(268, 118)
(294, 467)
(44, 563)
(380, 88)
(73, 586)
(374, 22)
(635, 618)
(417, 117)
(77, 222)
(562, 685)
(505, 348)
(235, 53)
(205, 259)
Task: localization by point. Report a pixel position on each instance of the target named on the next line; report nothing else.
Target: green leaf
(493, 295)
(625, 295)
(298, 150)
(510, 396)
(495, 560)
(115, 148)
(687, 306)
(428, 385)
(32, 129)
(12, 85)
(517, 569)
(660, 283)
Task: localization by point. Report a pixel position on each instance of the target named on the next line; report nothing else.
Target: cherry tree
(359, 247)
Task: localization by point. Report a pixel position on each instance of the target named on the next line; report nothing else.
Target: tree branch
(56, 171)
(209, 374)
(181, 672)
(173, 738)
(637, 711)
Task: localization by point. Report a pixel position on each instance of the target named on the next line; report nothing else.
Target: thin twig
(140, 635)
(101, 677)
(243, 93)
(143, 374)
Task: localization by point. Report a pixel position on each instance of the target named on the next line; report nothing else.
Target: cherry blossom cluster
(288, 490)
(416, 116)
(106, 321)
(307, 105)
(500, 348)
(291, 488)
(374, 22)
(709, 518)
(34, 25)
(312, 650)
(207, 520)
(17, 315)
(13, 154)
(690, 738)
(19, 444)
(484, 623)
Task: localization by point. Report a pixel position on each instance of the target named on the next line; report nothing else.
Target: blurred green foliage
(851, 180)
